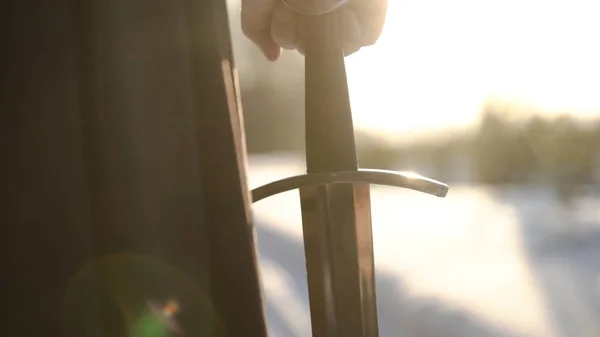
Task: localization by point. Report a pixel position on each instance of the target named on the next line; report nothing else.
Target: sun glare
(438, 62)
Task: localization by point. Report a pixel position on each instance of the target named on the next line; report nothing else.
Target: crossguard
(408, 180)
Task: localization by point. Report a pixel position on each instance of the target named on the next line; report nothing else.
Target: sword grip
(329, 130)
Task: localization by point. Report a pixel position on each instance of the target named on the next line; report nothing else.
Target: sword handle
(334, 194)
(329, 130)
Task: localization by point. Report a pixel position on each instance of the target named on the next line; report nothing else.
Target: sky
(438, 62)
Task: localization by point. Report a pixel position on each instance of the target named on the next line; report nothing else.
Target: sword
(335, 195)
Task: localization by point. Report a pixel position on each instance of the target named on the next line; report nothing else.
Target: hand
(272, 25)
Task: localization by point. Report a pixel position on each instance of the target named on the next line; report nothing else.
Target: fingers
(272, 25)
(371, 14)
(283, 26)
(301, 33)
(256, 25)
(351, 32)
(350, 29)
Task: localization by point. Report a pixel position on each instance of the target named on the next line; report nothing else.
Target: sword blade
(339, 259)
(336, 217)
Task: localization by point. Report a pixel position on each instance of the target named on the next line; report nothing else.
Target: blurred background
(499, 99)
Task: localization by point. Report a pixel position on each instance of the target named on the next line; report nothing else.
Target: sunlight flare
(437, 62)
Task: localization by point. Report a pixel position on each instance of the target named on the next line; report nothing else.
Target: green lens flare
(133, 295)
(148, 325)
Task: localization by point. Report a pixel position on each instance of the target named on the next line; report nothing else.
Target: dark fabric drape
(121, 183)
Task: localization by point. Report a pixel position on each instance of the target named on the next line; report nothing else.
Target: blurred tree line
(559, 149)
(507, 147)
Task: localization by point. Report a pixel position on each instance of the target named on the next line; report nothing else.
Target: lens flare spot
(165, 314)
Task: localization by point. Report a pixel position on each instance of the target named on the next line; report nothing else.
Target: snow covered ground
(481, 262)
